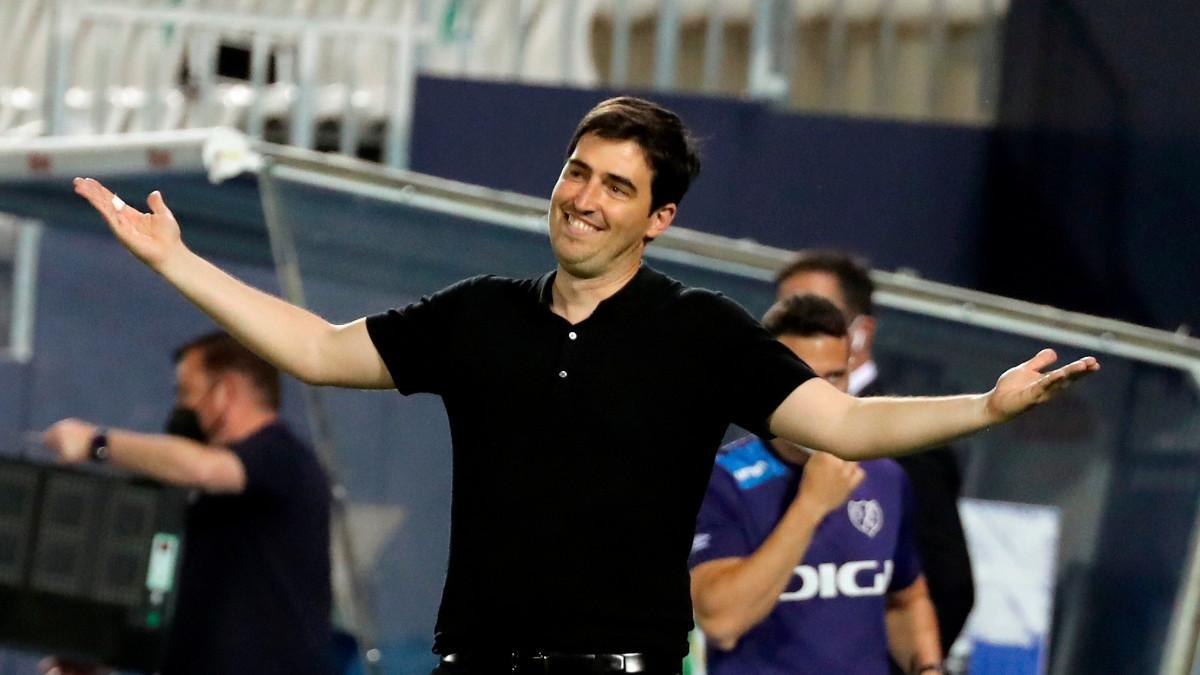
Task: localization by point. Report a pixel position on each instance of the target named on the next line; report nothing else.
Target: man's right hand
(828, 482)
(153, 237)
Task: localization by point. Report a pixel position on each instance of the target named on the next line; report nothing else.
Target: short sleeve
(270, 461)
(414, 341)
(906, 560)
(757, 371)
(720, 531)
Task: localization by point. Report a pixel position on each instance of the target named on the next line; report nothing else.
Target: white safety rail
(18, 286)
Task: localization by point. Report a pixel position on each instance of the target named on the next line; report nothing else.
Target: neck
(575, 298)
(241, 426)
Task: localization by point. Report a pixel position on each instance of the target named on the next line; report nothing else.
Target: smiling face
(600, 215)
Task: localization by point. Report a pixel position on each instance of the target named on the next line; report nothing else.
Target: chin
(580, 269)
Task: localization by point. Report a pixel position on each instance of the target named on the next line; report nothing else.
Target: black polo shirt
(254, 590)
(581, 452)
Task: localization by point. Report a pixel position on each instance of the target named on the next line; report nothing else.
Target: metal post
(618, 67)
(351, 51)
(152, 40)
(58, 66)
(666, 44)
(174, 53)
(287, 270)
(304, 110)
(835, 57)
(400, 91)
(714, 46)
(25, 263)
(937, 56)
(100, 67)
(761, 79)
(464, 38)
(422, 9)
(16, 54)
(206, 49)
(566, 43)
(885, 59)
(520, 33)
(989, 60)
(785, 51)
(260, 60)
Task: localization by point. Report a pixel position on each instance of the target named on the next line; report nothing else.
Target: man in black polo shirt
(586, 406)
(254, 589)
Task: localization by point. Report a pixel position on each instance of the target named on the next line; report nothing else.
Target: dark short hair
(669, 147)
(853, 274)
(220, 353)
(805, 315)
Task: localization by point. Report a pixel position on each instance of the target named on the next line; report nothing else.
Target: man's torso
(830, 618)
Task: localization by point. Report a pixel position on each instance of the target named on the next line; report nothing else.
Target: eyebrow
(621, 180)
(611, 177)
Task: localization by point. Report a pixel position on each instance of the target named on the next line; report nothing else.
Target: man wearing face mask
(846, 281)
(254, 593)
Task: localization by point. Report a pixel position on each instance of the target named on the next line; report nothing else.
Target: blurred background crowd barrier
(1029, 150)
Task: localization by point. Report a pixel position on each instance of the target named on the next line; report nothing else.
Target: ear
(223, 389)
(862, 337)
(660, 220)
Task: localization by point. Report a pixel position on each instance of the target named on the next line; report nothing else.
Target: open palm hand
(152, 237)
(1025, 386)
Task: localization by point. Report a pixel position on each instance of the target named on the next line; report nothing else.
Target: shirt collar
(627, 296)
(862, 377)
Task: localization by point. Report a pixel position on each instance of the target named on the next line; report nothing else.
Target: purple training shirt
(831, 617)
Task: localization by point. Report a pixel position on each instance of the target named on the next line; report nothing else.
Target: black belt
(523, 662)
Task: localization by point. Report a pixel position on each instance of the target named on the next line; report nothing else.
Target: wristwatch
(98, 450)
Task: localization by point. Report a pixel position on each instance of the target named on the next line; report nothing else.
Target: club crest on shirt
(866, 515)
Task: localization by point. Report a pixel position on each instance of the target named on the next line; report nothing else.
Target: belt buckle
(623, 663)
(633, 663)
(538, 661)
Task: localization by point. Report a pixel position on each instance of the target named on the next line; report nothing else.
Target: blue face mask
(184, 422)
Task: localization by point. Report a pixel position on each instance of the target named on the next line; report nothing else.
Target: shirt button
(572, 335)
(562, 373)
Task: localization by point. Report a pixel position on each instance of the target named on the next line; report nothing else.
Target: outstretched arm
(732, 595)
(819, 416)
(170, 459)
(294, 339)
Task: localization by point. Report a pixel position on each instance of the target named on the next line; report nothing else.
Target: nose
(586, 199)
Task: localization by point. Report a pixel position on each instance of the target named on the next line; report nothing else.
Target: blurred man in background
(936, 481)
(254, 588)
(789, 577)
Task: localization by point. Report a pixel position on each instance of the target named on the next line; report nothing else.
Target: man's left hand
(70, 439)
(1025, 386)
